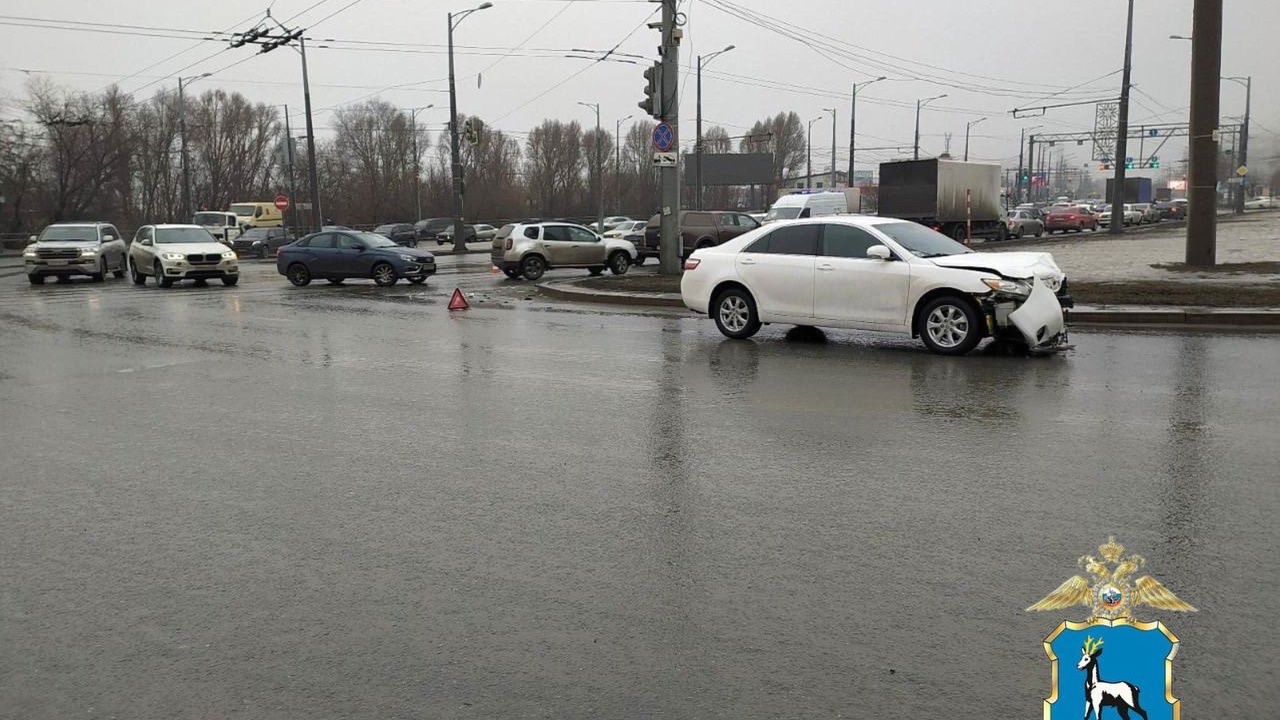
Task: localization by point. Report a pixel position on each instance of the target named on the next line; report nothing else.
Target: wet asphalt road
(271, 502)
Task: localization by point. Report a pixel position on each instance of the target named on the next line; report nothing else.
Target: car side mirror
(33, 238)
(145, 242)
(108, 238)
(879, 252)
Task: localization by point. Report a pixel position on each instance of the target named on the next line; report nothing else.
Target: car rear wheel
(161, 280)
(384, 275)
(639, 260)
(533, 267)
(35, 279)
(299, 275)
(595, 270)
(735, 314)
(1002, 233)
(619, 262)
(958, 234)
(138, 278)
(949, 326)
(263, 252)
(119, 271)
(511, 273)
(231, 280)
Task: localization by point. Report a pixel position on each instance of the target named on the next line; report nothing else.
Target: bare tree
(553, 171)
(230, 146)
(782, 135)
(640, 179)
(88, 143)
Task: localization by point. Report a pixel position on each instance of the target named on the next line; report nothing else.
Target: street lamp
(455, 162)
(853, 123)
(919, 104)
(417, 162)
(599, 172)
(182, 139)
(697, 146)
(832, 183)
(617, 162)
(968, 125)
(808, 155)
(1247, 82)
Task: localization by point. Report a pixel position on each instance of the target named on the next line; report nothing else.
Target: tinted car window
(531, 233)
(556, 233)
(790, 240)
(846, 241)
(321, 241)
(921, 241)
(747, 221)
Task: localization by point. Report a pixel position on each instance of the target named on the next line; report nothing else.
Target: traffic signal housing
(652, 103)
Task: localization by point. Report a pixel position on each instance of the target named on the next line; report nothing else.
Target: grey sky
(1028, 47)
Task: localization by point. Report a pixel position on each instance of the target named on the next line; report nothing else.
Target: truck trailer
(958, 199)
(1136, 189)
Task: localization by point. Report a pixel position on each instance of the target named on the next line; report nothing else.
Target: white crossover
(172, 253)
(871, 273)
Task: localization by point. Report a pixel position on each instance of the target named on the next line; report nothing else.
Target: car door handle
(747, 261)
(826, 268)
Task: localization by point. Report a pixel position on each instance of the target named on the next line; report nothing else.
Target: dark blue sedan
(336, 255)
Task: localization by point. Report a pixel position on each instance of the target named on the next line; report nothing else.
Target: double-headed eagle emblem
(1112, 594)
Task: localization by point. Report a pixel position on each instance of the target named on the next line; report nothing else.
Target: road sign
(665, 159)
(282, 202)
(1242, 171)
(663, 137)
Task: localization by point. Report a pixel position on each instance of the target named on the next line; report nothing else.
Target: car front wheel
(949, 326)
(230, 280)
(299, 275)
(35, 279)
(262, 252)
(735, 314)
(619, 263)
(161, 280)
(384, 275)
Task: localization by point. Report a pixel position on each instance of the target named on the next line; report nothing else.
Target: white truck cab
(223, 226)
(805, 204)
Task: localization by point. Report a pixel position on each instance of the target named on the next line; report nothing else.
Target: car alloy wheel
(138, 278)
(384, 275)
(102, 271)
(618, 263)
(299, 275)
(533, 267)
(735, 314)
(263, 252)
(950, 326)
(161, 280)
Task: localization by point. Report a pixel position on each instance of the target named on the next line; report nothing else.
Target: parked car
(428, 230)
(874, 273)
(400, 233)
(1130, 216)
(1261, 202)
(698, 229)
(623, 229)
(62, 250)
(1025, 222)
(485, 232)
(173, 253)
(337, 255)
(533, 248)
(469, 234)
(223, 226)
(1073, 218)
(262, 242)
(805, 204)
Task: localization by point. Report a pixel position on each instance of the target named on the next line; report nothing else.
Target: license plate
(59, 262)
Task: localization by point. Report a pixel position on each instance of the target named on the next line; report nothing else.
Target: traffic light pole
(1202, 185)
(671, 245)
(1122, 133)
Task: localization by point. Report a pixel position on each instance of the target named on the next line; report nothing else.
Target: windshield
(922, 241)
(252, 233)
(69, 232)
(212, 219)
(783, 213)
(243, 209)
(371, 240)
(385, 228)
(169, 236)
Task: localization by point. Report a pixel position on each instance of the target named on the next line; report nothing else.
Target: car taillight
(691, 264)
(508, 244)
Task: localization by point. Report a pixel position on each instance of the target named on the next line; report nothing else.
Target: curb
(565, 290)
(1227, 318)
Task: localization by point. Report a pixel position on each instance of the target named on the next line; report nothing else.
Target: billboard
(730, 169)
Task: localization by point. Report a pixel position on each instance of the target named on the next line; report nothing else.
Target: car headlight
(173, 256)
(229, 255)
(1008, 287)
(88, 252)
(29, 253)
(408, 258)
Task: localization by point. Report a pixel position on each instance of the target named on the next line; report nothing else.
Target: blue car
(336, 255)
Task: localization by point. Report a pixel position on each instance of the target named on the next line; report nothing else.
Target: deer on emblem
(1100, 693)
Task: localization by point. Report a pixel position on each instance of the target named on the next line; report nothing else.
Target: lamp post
(417, 162)
(915, 155)
(968, 125)
(697, 146)
(617, 163)
(1018, 182)
(832, 182)
(853, 120)
(182, 139)
(288, 149)
(808, 155)
(599, 170)
(1247, 82)
(455, 162)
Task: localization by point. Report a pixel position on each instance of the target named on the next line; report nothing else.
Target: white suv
(530, 249)
(66, 249)
(170, 253)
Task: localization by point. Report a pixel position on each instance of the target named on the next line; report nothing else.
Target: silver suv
(65, 249)
(530, 249)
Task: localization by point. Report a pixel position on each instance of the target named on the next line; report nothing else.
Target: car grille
(60, 254)
(198, 259)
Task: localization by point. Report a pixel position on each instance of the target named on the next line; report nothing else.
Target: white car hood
(184, 248)
(1008, 264)
(616, 244)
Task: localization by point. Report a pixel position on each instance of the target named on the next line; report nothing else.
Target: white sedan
(624, 229)
(871, 273)
(1260, 203)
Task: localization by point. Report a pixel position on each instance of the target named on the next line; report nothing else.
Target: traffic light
(1128, 164)
(652, 103)
(1025, 176)
(1154, 162)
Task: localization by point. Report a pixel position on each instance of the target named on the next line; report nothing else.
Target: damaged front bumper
(1039, 320)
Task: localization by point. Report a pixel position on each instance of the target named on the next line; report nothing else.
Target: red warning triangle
(458, 302)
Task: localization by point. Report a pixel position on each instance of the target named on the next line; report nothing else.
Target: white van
(807, 204)
(225, 226)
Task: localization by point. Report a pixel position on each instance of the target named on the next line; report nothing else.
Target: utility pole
(808, 155)
(1202, 185)
(671, 244)
(182, 139)
(919, 104)
(1031, 164)
(697, 146)
(417, 160)
(853, 125)
(599, 171)
(455, 159)
(1122, 130)
(1247, 82)
(968, 125)
(617, 163)
(832, 183)
(288, 148)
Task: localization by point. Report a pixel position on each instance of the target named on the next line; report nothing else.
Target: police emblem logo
(1136, 676)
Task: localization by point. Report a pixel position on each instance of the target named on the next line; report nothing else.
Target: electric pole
(599, 171)
(1122, 131)
(915, 155)
(853, 127)
(288, 148)
(1202, 183)
(968, 125)
(831, 185)
(1247, 82)
(697, 146)
(671, 243)
(182, 139)
(455, 159)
